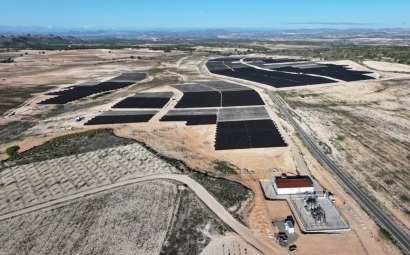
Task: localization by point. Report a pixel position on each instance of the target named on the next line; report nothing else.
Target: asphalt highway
(360, 196)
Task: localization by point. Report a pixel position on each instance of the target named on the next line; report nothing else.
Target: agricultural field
(365, 130)
(34, 183)
(116, 222)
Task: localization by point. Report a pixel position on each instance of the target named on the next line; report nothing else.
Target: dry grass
(365, 128)
(128, 220)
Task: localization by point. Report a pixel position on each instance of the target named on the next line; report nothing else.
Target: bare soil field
(365, 130)
(386, 66)
(116, 222)
(229, 244)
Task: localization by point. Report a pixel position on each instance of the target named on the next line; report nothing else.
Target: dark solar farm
(213, 94)
(77, 92)
(339, 72)
(145, 100)
(247, 134)
(192, 117)
(200, 99)
(239, 112)
(121, 117)
(241, 98)
(284, 72)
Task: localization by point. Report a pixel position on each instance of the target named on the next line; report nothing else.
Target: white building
(289, 227)
(293, 185)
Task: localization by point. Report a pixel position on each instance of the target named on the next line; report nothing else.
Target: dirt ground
(193, 144)
(374, 120)
(386, 66)
(365, 231)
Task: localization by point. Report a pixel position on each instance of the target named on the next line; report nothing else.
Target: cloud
(328, 23)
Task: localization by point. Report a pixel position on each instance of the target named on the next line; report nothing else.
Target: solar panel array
(340, 72)
(245, 126)
(145, 100)
(121, 117)
(247, 134)
(192, 119)
(285, 73)
(242, 120)
(77, 92)
(276, 79)
(200, 99)
(222, 94)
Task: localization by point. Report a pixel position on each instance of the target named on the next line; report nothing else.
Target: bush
(12, 151)
(224, 167)
(9, 60)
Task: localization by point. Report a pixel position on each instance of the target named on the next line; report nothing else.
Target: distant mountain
(191, 33)
(92, 38)
(35, 41)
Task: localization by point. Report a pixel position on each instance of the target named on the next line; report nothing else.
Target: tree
(13, 150)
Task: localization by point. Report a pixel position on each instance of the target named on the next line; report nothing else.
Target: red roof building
(293, 185)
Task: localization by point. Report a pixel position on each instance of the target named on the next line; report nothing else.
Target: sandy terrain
(386, 66)
(230, 244)
(74, 66)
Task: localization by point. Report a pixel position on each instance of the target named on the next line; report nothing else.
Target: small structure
(282, 239)
(292, 248)
(286, 185)
(331, 197)
(289, 227)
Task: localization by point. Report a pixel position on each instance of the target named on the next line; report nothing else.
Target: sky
(151, 14)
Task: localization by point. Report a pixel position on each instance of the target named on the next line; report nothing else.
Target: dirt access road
(199, 191)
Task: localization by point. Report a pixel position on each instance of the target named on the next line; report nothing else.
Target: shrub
(224, 167)
(13, 150)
